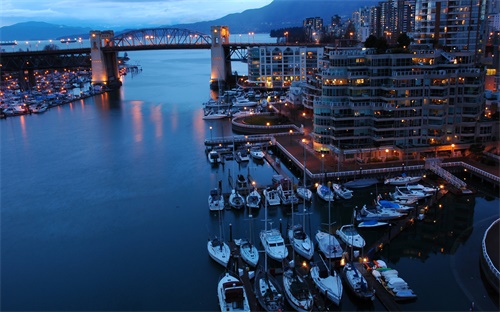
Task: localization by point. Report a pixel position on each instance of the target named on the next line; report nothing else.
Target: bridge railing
(160, 36)
(487, 258)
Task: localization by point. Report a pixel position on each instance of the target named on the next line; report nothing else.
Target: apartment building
(278, 66)
(404, 105)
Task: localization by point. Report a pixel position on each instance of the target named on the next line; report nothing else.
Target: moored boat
(402, 180)
(268, 291)
(325, 193)
(296, 291)
(271, 197)
(232, 294)
(349, 235)
(329, 245)
(327, 281)
(356, 282)
(342, 191)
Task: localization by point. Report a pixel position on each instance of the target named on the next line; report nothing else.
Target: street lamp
(210, 133)
(286, 36)
(291, 132)
(453, 150)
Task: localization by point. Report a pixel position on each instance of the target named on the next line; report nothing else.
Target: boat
(349, 235)
(232, 294)
(355, 281)
(215, 200)
(296, 290)
(257, 153)
(360, 183)
(273, 242)
(39, 108)
(327, 281)
(253, 199)
(402, 180)
(8, 43)
(268, 291)
(211, 114)
(372, 223)
(300, 241)
(341, 191)
(214, 157)
(422, 188)
(242, 156)
(248, 251)
(383, 203)
(401, 192)
(302, 190)
(325, 193)
(236, 200)
(241, 101)
(285, 192)
(271, 197)
(393, 284)
(376, 213)
(218, 249)
(242, 183)
(329, 245)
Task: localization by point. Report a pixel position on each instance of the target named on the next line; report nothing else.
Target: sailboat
(299, 239)
(328, 244)
(248, 251)
(302, 190)
(326, 281)
(218, 249)
(297, 292)
(253, 199)
(267, 289)
(236, 200)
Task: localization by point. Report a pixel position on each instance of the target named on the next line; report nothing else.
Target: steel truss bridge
(135, 40)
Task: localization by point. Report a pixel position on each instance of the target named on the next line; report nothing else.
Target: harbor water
(104, 206)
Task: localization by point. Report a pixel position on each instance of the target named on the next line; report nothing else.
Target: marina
(127, 209)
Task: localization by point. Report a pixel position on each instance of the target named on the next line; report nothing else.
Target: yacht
(274, 244)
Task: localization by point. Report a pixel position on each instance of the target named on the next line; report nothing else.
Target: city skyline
(121, 14)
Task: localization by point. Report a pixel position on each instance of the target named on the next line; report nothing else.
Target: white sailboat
(218, 249)
(327, 281)
(253, 199)
(296, 290)
(300, 241)
(248, 250)
(302, 190)
(325, 192)
(328, 244)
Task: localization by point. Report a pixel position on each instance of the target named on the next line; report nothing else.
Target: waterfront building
(397, 105)
(278, 66)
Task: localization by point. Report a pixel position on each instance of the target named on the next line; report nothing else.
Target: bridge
(105, 45)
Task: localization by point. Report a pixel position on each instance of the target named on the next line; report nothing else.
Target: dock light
(268, 124)
(304, 264)
(441, 186)
(365, 260)
(342, 261)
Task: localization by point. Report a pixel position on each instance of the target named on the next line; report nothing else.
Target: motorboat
(342, 191)
(383, 203)
(355, 281)
(241, 101)
(274, 244)
(210, 114)
(367, 213)
(214, 157)
(236, 200)
(296, 291)
(286, 194)
(39, 108)
(393, 284)
(372, 223)
(241, 183)
(349, 235)
(248, 252)
(242, 156)
(329, 245)
(215, 200)
(268, 291)
(253, 199)
(402, 180)
(402, 192)
(422, 188)
(300, 241)
(257, 153)
(232, 294)
(271, 197)
(327, 281)
(360, 183)
(325, 193)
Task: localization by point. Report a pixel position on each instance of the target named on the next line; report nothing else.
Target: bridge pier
(105, 69)
(221, 64)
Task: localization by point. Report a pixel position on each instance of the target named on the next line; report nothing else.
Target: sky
(120, 13)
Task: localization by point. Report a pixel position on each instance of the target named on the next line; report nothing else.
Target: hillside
(278, 14)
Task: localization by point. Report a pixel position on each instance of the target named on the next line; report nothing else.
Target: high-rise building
(452, 25)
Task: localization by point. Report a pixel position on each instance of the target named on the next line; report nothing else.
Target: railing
(487, 258)
(473, 169)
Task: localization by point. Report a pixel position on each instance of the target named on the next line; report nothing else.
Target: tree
(404, 41)
(371, 42)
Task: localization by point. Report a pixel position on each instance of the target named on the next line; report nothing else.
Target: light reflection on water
(104, 206)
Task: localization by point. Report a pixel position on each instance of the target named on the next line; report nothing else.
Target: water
(104, 206)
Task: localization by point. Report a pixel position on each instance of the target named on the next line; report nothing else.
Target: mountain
(276, 15)
(41, 31)
(281, 14)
